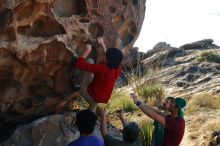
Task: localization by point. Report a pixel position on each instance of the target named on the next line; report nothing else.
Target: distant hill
(181, 70)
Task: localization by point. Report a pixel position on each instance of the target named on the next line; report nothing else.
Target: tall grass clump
(213, 126)
(150, 90)
(207, 100)
(209, 57)
(128, 106)
(120, 100)
(146, 133)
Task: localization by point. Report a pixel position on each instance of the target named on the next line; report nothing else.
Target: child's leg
(86, 79)
(92, 104)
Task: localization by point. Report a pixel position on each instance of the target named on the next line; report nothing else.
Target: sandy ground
(199, 126)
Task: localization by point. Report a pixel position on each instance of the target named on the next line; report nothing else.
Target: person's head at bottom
(130, 132)
(86, 121)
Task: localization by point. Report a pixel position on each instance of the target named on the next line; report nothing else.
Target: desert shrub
(132, 79)
(128, 106)
(214, 126)
(146, 132)
(191, 108)
(150, 90)
(120, 100)
(209, 57)
(204, 100)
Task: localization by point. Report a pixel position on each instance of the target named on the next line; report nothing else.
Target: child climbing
(98, 79)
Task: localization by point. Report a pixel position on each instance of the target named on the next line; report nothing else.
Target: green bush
(209, 57)
(151, 90)
(146, 133)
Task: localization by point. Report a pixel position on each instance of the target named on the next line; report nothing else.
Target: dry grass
(200, 125)
(201, 133)
(151, 90)
(204, 100)
(214, 126)
(120, 100)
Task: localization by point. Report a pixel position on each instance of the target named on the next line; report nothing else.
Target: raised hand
(87, 51)
(120, 113)
(121, 116)
(100, 40)
(100, 111)
(89, 47)
(134, 97)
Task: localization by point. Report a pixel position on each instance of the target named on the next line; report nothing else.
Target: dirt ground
(199, 126)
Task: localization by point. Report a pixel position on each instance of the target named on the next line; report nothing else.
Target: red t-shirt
(100, 89)
(174, 131)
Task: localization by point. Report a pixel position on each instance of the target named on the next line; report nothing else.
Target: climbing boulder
(39, 43)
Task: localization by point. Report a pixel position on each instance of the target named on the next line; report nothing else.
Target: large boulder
(54, 130)
(203, 44)
(39, 40)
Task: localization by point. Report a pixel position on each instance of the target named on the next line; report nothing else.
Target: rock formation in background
(189, 69)
(39, 40)
(199, 44)
(181, 69)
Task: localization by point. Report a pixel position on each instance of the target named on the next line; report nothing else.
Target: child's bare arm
(87, 51)
(102, 43)
(118, 43)
(121, 116)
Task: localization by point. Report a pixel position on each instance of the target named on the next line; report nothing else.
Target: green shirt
(111, 141)
(159, 129)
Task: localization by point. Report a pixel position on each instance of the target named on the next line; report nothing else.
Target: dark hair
(114, 57)
(131, 132)
(172, 99)
(86, 121)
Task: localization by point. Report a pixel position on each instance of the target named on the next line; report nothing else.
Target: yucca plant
(146, 133)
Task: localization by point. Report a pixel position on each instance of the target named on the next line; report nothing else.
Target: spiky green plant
(128, 106)
(146, 133)
(120, 100)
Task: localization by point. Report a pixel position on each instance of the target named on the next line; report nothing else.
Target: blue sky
(178, 22)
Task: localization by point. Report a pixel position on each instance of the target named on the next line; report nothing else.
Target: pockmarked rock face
(39, 40)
